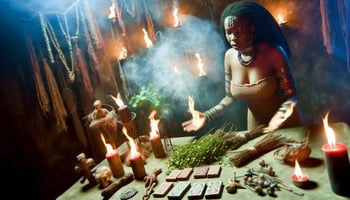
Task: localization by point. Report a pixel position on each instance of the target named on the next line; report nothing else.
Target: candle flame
(154, 124)
(176, 19)
(109, 147)
(329, 131)
(133, 148)
(123, 54)
(195, 114)
(297, 169)
(112, 14)
(147, 40)
(118, 100)
(281, 20)
(200, 65)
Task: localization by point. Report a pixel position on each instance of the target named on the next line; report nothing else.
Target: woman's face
(239, 33)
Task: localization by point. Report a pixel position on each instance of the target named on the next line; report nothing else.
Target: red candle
(299, 179)
(157, 146)
(113, 159)
(155, 140)
(337, 162)
(137, 166)
(338, 167)
(115, 163)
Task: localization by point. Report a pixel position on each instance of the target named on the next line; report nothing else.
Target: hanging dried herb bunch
(206, 150)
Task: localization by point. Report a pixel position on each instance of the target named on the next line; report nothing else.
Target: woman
(256, 69)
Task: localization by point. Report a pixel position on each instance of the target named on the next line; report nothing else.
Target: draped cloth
(335, 28)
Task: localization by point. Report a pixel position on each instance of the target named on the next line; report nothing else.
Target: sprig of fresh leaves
(147, 97)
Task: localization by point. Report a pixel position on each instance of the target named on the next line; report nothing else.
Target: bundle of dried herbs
(235, 139)
(206, 150)
(269, 142)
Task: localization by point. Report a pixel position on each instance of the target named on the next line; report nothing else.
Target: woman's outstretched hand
(278, 119)
(197, 122)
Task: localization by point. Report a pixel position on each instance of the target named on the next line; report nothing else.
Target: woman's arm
(218, 109)
(287, 87)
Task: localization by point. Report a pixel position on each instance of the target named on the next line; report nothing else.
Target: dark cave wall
(40, 160)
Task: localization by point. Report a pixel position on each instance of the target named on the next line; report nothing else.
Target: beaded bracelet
(211, 114)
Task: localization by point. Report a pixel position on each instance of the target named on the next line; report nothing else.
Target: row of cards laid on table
(200, 172)
(196, 190)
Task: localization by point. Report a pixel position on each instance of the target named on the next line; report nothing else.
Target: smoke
(171, 64)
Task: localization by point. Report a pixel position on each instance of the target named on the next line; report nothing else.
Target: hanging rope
(59, 110)
(41, 93)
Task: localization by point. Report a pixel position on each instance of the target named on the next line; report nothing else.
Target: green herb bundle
(206, 150)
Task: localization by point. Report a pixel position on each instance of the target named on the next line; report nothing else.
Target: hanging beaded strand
(68, 37)
(46, 37)
(71, 74)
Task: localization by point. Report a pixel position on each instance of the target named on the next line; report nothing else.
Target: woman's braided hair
(267, 28)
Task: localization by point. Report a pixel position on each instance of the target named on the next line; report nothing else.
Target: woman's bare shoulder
(271, 49)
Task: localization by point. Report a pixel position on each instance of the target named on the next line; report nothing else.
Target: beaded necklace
(251, 58)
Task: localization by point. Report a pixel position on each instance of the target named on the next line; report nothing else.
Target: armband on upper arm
(286, 81)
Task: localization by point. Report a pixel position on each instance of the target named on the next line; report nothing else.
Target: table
(314, 167)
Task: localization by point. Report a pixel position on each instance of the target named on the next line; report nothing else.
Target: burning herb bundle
(205, 150)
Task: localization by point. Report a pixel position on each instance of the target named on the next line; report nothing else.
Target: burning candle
(115, 163)
(157, 146)
(113, 159)
(299, 179)
(336, 161)
(135, 158)
(137, 166)
(155, 140)
(124, 112)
